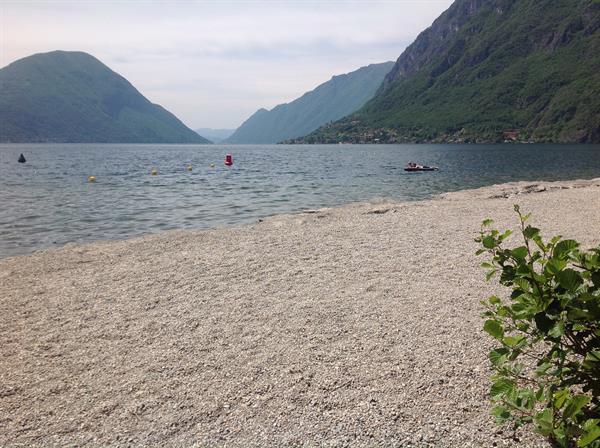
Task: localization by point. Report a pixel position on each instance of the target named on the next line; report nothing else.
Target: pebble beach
(351, 326)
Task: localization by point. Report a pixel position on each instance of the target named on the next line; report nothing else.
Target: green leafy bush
(547, 363)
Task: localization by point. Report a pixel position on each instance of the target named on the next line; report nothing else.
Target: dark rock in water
(21, 159)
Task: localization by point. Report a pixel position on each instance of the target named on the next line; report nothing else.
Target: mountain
(487, 71)
(331, 100)
(215, 135)
(72, 97)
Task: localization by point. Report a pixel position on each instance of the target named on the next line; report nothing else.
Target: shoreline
(507, 189)
(356, 325)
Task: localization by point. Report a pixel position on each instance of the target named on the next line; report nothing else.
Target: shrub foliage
(547, 361)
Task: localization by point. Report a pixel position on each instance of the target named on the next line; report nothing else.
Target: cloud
(214, 63)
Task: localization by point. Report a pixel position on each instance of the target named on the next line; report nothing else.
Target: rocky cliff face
(434, 39)
(486, 69)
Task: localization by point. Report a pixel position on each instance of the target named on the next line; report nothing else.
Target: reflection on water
(48, 202)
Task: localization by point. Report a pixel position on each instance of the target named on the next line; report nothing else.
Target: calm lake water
(48, 201)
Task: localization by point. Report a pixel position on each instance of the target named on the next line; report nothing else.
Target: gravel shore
(352, 326)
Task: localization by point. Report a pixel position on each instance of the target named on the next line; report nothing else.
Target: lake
(48, 201)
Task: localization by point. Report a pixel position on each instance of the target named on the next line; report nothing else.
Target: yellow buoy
(212, 165)
(154, 171)
(91, 178)
(189, 168)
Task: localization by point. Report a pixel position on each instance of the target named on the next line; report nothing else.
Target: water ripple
(48, 201)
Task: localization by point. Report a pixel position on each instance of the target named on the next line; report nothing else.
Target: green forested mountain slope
(490, 70)
(72, 97)
(330, 101)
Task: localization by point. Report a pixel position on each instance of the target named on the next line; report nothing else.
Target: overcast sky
(214, 63)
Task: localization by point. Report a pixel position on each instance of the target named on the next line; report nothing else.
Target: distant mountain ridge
(215, 135)
(329, 101)
(488, 71)
(69, 96)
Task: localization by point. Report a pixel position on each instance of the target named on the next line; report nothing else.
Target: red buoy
(228, 159)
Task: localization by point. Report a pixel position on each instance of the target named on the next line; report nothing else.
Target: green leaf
(501, 413)
(488, 242)
(590, 423)
(503, 311)
(590, 435)
(538, 241)
(575, 405)
(560, 437)
(540, 393)
(586, 296)
(565, 247)
(555, 294)
(487, 222)
(555, 239)
(523, 284)
(513, 341)
(542, 368)
(591, 432)
(494, 300)
(560, 397)
(545, 422)
(498, 356)
(526, 399)
(569, 279)
(502, 387)
(520, 311)
(519, 252)
(575, 314)
(531, 232)
(593, 356)
(557, 330)
(554, 266)
(494, 329)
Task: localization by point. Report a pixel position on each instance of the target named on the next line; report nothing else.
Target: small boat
(416, 167)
